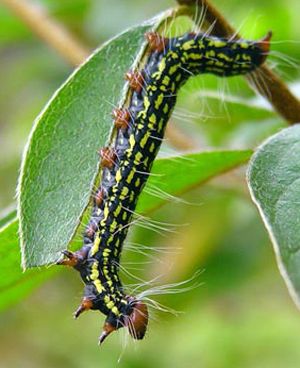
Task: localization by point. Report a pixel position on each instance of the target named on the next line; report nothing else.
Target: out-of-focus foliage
(242, 314)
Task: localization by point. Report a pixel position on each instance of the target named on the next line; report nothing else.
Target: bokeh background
(240, 314)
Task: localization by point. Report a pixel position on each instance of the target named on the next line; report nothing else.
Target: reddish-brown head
(137, 321)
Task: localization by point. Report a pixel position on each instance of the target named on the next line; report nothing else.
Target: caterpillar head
(135, 317)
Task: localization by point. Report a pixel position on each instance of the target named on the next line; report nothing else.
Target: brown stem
(266, 81)
(63, 42)
(49, 30)
(179, 139)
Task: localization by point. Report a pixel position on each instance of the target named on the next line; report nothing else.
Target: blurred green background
(241, 315)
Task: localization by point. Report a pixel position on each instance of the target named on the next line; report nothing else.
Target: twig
(49, 30)
(281, 98)
(63, 42)
(179, 139)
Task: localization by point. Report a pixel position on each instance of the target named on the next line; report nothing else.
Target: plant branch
(265, 81)
(179, 139)
(59, 39)
(48, 30)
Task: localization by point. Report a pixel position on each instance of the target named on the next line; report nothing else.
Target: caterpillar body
(126, 166)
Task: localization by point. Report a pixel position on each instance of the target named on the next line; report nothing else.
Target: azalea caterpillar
(126, 164)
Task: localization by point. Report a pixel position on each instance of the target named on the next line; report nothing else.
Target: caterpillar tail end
(264, 44)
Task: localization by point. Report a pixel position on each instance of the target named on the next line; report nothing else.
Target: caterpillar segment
(126, 164)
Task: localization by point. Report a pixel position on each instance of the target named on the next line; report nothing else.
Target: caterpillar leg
(156, 41)
(108, 157)
(73, 258)
(135, 80)
(121, 118)
(86, 304)
(107, 330)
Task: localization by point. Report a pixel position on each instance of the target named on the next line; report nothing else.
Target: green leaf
(61, 160)
(14, 283)
(274, 182)
(176, 175)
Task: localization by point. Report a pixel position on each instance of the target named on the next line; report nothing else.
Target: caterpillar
(126, 164)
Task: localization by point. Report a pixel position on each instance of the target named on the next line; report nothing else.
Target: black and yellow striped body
(163, 73)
